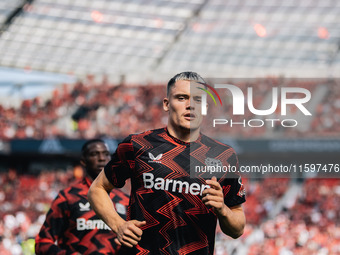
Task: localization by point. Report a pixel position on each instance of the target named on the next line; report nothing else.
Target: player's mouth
(101, 166)
(189, 116)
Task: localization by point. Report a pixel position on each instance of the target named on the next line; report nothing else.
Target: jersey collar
(180, 141)
(87, 181)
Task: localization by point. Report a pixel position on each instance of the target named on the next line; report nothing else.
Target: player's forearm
(232, 221)
(103, 206)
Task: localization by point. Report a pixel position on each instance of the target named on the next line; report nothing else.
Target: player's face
(184, 105)
(96, 157)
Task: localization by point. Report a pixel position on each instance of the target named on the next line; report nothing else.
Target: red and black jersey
(72, 227)
(165, 195)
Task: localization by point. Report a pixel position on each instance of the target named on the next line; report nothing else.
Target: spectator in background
(71, 226)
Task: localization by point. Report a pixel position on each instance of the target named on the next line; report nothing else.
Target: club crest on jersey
(213, 162)
(242, 191)
(84, 207)
(154, 159)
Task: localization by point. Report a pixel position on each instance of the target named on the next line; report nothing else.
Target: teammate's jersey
(164, 194)
(72, 227)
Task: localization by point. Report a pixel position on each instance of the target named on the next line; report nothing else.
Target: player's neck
(185, 136)
(89, 176)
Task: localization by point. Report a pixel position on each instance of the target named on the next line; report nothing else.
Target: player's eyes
(198, 99)
(181, 98)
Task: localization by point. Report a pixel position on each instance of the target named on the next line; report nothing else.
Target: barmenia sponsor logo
(172, 185)
(83, 224)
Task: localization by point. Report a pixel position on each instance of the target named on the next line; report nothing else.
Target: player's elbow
(236, 231)
(240, 229)
(236, 234)
(240, 223)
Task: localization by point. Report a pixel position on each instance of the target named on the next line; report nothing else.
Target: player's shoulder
(147, 133)
(75, 187)
(211, 142)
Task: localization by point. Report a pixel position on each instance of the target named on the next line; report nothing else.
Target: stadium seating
(311, 225)
(87, 109)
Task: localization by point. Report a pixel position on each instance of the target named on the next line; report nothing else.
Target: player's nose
(190, 105)
(102, 156)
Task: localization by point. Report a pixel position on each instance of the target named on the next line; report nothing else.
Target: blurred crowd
(84, 110)
(90, 108)
(310, 225)
(24, 201)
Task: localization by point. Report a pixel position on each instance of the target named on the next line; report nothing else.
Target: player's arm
(128, 232)
(232, 220)
(53, 228)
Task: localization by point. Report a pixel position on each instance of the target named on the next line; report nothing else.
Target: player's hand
(213, 196)
(129, 233)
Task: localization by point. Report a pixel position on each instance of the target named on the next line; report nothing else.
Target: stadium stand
(87, 109)
(139, 40)
(311, 225)
(24, 201)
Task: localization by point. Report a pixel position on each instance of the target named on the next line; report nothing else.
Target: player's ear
(166, 104)
(82, 161)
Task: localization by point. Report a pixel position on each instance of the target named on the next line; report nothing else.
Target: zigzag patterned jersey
(166, 196)
(72, 227)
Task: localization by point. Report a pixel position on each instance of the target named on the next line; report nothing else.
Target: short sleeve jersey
(72, 227)
(165, 195)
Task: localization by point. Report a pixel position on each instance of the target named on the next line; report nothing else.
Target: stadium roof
(152, 39)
